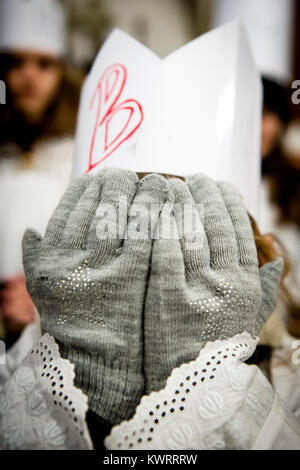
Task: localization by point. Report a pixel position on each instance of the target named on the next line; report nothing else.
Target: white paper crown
(32, 25)
(198, 110)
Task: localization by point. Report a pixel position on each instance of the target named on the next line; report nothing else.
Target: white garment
(39, 406)
(28, 196)
(285, 373)
(214, 402)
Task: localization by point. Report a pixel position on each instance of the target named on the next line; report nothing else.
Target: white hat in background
(35, 25)
(269, 24)
(196, 111)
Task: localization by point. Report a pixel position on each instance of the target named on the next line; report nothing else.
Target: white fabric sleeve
(214, 402)
(40, 408)
(280, 431)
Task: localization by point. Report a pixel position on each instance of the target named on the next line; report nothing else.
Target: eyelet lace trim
(204, 405)
(40, 408)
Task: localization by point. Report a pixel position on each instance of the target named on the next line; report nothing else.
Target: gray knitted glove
(204, 292)
(90, 292)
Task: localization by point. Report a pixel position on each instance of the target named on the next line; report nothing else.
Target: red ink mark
(109, 90)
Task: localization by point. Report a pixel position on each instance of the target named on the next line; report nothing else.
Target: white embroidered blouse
(214, 402)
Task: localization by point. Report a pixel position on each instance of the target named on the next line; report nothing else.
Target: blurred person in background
(36, 144)
(270, 28)
(275, 117)
(291, 144)
(289, 201)
(281, 178)
(280, 216)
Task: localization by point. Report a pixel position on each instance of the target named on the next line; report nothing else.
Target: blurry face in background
(270, 132)
(291, 144)
(33, 80)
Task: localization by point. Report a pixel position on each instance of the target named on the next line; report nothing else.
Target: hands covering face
(128, 300)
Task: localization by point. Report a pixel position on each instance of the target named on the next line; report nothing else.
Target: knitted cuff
(113, 388)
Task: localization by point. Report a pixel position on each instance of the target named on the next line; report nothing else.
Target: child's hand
(208, 289)
(90, 292)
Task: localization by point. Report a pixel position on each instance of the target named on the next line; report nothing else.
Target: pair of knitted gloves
(127, 309)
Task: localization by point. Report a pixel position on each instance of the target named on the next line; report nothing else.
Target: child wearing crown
(148, 313)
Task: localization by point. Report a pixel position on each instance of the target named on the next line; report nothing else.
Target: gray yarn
(90, 293)
(209, 292)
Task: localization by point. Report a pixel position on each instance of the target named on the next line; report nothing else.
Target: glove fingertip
(30, 239)
(261, 320)
(272, 271)
(270, 276)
